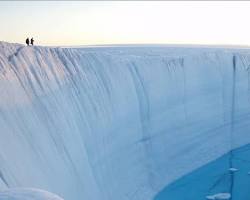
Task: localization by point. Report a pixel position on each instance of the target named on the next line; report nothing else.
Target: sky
(62, 23)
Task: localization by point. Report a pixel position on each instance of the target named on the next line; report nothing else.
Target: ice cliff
(117, 122)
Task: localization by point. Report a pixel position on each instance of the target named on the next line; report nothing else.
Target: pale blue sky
(109, 22)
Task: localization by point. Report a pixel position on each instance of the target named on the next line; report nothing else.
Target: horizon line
(186, 45)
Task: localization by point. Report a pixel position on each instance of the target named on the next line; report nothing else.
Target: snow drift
(117, 122)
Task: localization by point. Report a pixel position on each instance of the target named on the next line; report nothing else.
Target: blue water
(213, 178)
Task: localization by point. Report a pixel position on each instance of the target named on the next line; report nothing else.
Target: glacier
(118, 122)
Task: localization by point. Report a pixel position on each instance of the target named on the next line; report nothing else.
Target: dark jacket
(32, 41)
(27, 41)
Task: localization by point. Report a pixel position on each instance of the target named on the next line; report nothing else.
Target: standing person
(32, 41)
(27, 41)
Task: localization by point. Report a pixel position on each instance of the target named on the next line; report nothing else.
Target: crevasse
(117, 122)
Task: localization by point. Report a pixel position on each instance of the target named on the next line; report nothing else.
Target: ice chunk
(233, 169)
(219, 196)
(27, 194)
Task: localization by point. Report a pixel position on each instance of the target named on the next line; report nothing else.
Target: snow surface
(117, 122)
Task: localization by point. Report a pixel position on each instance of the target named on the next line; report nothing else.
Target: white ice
(219, 196)
(27, 194)
(233, 169)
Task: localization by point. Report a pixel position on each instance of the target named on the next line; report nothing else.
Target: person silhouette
(32, 41)
(27, 41)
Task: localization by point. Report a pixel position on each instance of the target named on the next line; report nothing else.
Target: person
(32, 41)
(27, 41)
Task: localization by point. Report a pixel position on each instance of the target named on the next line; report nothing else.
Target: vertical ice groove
(232, 128)
(184, 96)
(3, 179)
(143, 103)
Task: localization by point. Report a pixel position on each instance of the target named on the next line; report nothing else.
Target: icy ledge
(27, 194)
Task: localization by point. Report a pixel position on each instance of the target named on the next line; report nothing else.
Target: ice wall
(117, 122)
